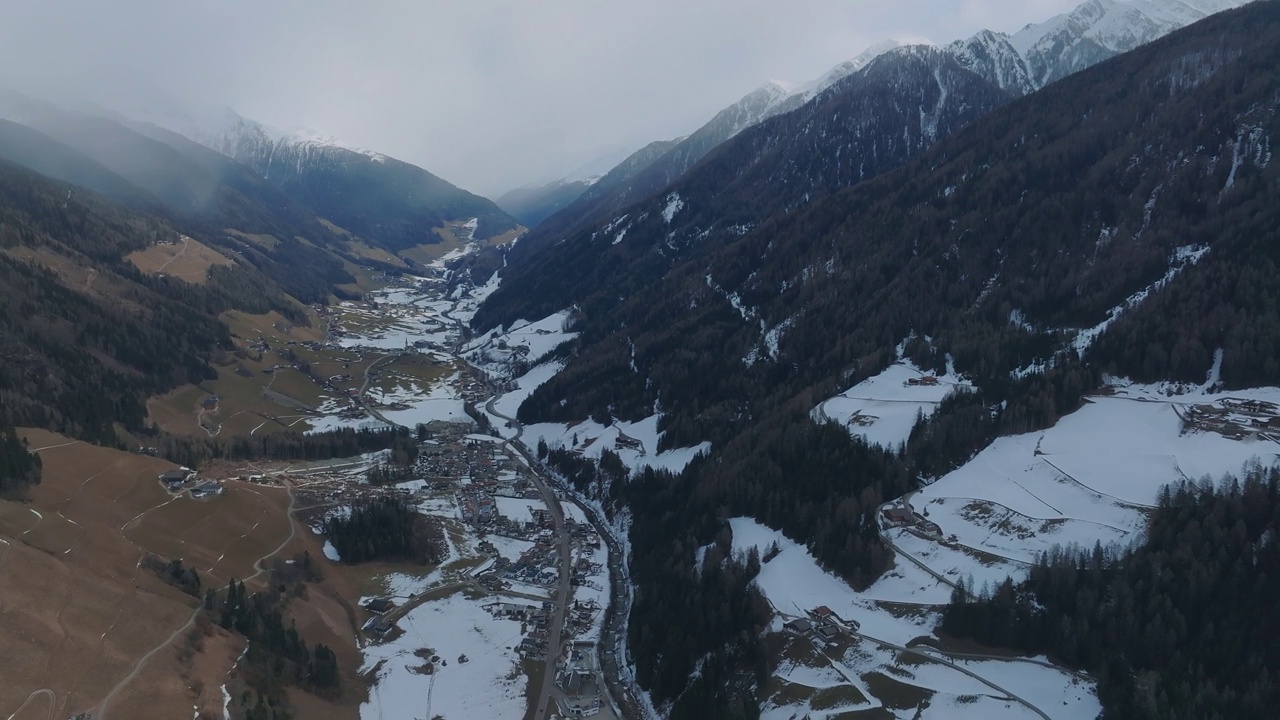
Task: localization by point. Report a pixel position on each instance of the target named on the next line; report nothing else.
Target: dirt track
(74, 599)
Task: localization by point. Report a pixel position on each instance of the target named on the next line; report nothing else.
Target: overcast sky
(489, 94)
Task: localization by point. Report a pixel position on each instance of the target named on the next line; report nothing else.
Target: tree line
(19, 468)
(192, 451)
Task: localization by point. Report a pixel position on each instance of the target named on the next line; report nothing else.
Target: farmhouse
(898, 515)
(175, 478)
(799, 626)
(205, 489)
(379, 605)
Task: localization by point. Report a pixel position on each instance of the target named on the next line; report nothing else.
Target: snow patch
(674, 205)
(1183, 258)
(883, 409)
(636, 443)
(331, 552)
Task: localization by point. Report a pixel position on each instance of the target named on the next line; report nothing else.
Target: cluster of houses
(477, 507)
(582, 613)
(821, 626)
(1237, 419)
(184, 479)
(534, 618)
(629, 443)
(379, 625)
(451, 454)
(538, 566)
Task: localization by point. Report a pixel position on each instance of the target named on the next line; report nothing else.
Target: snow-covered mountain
(776, 97)
(1041, 53)
(1017, 63)
(247, 141)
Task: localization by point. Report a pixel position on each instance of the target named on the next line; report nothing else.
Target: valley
(941, 386)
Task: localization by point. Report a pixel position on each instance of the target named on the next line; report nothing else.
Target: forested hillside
(1118, 205)
(1054, 211)
(870, 114)
(188, 187)
(872, 121)
(85, 336)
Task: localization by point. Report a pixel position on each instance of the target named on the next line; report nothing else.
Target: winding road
(43, 692)
(104, 706)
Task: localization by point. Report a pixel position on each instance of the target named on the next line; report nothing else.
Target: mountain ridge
(1019, 63)
(386, 201)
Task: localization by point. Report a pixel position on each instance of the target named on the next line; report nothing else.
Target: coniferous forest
(18, 467)
(387, 529)
(341, 442)
(277, 656)
(1001, 220)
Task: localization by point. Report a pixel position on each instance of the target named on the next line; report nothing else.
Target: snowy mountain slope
(776, 97)
(1094, 31)
(998, 243)
(659, 164)
(861, 118)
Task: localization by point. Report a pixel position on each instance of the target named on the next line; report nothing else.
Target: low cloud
(489, 94)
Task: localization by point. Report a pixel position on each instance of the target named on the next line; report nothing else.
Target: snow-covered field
(636, 443)
(489, 684)
(509, 402)
(517, 509)
(404, 315)
(794, 583)
(510, 548)
(577, 514)
(440, 402)
(1088, 479)
(884, 408)
(530, 341)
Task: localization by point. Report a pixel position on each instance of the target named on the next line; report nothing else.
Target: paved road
(612, 634)
(556, 627)
(365, 386)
